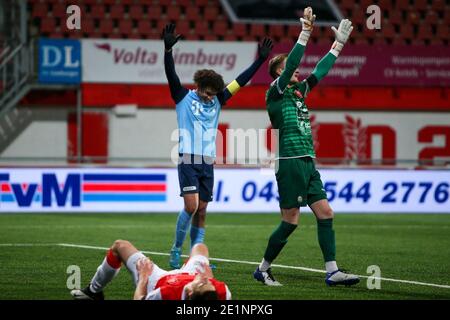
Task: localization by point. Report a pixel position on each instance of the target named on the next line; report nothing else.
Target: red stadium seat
(210, 37)
(379, 39)
(402, 4)
(420, 5)
(183, 27)
(192, 13)
(277, 30)
(257, 30)
(436, 41)
(173, 13)
(184, 3)
(106, 26)
(443, 31)
(136, 12)
(230, 37)
(364, 4)
(370, 34)
(358, 17)
(161, 24)
(395, 17)
(431, 18)
(125, 27)
(87, 26)
(327, 33)
(407, 32)
(388, 31)
(220, 28)
(447, 16)
(287, 40)
(116, 11)
(248, 38)
(438, 5)
(48, 25)
(398, 40)
(40, 10)
(385, 4)
(294, 30)
(210, 13)
(424, 32)
(191, 36)
(200, 3)
(144, 28)
(97, 11)
(164, 3)
(239, 29)
(154, 12)
(201, 28)
(361, 40)
(89, 2)
(347, 5)
(413, 17)
(59, 10)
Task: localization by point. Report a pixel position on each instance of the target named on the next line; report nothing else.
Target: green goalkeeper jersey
(289, 114)
(287, 109)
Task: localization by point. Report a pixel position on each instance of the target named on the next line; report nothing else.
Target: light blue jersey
(197, 124)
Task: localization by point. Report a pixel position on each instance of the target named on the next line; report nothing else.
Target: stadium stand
(405, 21)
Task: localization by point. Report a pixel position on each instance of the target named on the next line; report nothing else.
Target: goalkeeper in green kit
(298, 180)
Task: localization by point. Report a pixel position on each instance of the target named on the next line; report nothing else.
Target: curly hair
(206, 78)
(274, 64)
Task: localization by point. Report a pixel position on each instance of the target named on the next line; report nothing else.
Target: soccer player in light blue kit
(198, 115)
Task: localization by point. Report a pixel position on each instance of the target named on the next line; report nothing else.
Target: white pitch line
(27, 244)
(274, 265)
(215, 259)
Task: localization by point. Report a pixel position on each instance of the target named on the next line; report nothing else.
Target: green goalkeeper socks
(327, 241)
(278, 239)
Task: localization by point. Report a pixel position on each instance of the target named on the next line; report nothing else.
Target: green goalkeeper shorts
(299, 182)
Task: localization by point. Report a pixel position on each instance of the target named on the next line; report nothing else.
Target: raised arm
(264, 49)
(177, 91)
(296, 54)
(326, 63)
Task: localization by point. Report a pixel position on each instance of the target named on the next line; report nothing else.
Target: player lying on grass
(197, 115)
(193, 281)
(299, 182)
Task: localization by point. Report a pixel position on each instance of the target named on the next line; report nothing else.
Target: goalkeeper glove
(307, 26)
(341, 36)
(169, 36)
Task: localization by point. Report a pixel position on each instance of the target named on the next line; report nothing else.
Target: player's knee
(201, 213)
(200, 248)
(328, 213)
(119, 244)
(191, 208)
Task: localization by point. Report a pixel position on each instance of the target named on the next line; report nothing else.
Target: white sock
(264, 265)
(105, 273)
(331, 266)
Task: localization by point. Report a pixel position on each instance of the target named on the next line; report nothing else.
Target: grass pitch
(405, 247)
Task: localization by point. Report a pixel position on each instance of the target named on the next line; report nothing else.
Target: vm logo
(73, 21)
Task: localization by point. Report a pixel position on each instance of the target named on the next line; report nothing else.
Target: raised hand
(169, 36)
(343, 32)
(308, 19)
(264, 48)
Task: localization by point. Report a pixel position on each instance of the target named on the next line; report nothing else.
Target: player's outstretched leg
(106, 272)
(327, 242)
(277, 241)
(183, 223)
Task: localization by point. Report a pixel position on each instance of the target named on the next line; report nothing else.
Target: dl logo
(59, 61)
